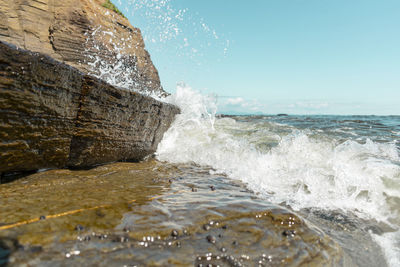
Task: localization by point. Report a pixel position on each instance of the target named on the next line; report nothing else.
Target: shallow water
(223, 190)
(152, 214)
(334, 170)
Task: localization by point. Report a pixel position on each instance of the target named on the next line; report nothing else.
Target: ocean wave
(301, 168)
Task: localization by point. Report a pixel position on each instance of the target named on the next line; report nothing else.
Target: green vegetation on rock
(111, 6)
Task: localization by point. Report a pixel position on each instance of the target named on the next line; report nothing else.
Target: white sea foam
(305, 169)
(391, 244)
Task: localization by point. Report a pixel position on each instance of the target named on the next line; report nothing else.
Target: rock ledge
(53, 116)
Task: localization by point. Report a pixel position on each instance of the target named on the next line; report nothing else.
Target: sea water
(345, 168)
(343, 165)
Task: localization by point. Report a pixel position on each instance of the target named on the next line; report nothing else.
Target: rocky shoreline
(54, 116)
(55, 109)
(152, 214)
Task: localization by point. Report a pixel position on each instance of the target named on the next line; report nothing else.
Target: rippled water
(321, 166)
(223, 190)
(340, 174)
(152, 214)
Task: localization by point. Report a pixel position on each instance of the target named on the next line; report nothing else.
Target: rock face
(84, 34)
(53, 115)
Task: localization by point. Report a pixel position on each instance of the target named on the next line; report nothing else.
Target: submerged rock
(174, 233)
(160, 220)
(211, 239)
(7, 247)
(53, 116)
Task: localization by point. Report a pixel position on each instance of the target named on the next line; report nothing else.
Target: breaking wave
(303, 168)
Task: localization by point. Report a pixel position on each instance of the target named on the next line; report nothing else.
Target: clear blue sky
(278, 56)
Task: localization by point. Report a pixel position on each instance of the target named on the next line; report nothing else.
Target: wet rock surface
(53, 116)
(130, 214)
(352, 233)
(80, 33)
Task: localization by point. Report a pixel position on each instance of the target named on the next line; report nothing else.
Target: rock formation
(84, 34)
(54, 110)
(53, 115)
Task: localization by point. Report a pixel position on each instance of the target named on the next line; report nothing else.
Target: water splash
(177, 31)
(118, 70)
(110, 56)
(162, 19)
(302, 168)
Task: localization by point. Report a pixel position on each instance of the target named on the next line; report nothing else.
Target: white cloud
(311, 104)
(235, 101)
(239, 105)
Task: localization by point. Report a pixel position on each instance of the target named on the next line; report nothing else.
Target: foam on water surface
(338, 167)
(303, 168)
(391, 244)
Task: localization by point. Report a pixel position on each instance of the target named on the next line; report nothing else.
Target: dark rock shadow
(12, 176)
(7, 247)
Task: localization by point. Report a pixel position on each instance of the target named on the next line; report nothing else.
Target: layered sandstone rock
(53, 115)
(84, 34)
